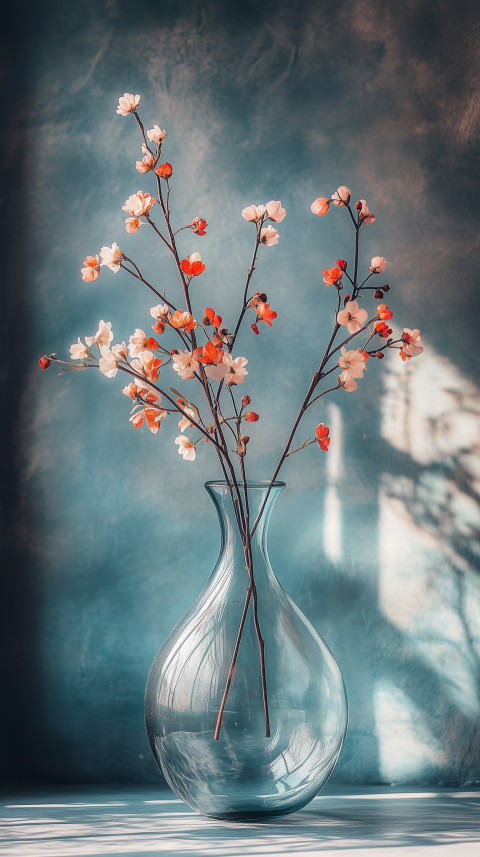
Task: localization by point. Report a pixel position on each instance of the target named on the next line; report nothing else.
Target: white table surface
(376, 821)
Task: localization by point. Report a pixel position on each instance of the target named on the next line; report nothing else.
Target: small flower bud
(251, 417)
(255, 329)
(378, 294)
(379, 355)
(174, 351)
(159, 327)
(386, 288)
(44, 362)
(358, 206)
(245, 401)
(199, 225)
(152, 343)
(341, 263)
(346, 299)
(244, 439)
(164, 170)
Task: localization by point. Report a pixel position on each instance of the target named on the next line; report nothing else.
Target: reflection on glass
(245, 774)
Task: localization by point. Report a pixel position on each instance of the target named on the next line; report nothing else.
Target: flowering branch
(213, 362)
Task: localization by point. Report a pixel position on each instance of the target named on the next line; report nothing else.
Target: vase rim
(251, 483)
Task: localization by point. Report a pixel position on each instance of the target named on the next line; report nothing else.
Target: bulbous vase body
(245, 774)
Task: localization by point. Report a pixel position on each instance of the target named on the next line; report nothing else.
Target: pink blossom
(353, 364)
(377, 265)
(111, 257)
(365, 215)
(138, 203)
(411, 340)
(321, 206)
(159, 311)
(103, 336)
(184, 422)
(275, 212)
(120, 351)
(132, 224)
(217, 371)
(78, 350)
(185, 364)
(137, 342)
(107, 363)
(145, 165)
(269, 236)
(156, 135)
(341, 196)
(347, 382)
(186, 448)
(253, 212)
(236, 371)
(127, 104)
(352, 316)
(130, 390)
(91, 270)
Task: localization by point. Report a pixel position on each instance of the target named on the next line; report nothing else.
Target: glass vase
(235, 769)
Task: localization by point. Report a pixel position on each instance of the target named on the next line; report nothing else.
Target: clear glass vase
(245, 774)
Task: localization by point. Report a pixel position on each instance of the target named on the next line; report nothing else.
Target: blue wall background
(109, 534)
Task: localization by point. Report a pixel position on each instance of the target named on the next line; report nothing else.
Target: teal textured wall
(109, 534)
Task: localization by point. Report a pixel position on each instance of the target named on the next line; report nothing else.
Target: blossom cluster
(203, 346)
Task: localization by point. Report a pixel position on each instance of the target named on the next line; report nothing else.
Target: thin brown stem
(232, 664)
(178, 407)
(331, 390)
(155, 228)
(249, 563)
(314, 382)
(249, 277)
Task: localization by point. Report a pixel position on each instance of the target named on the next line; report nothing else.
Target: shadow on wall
(411, 616)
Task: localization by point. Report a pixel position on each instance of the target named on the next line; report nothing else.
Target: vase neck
(230, 515)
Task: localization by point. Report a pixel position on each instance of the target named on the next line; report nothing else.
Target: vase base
(254, 816)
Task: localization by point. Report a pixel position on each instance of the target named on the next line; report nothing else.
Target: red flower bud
(378, 294)
(164, 170)
(244, 439)
(386, 288)
(174, 351)
(379, 355)
(384, 312)
(346, 299)
(341, 263)
(358, 206)
(245, 401)
(152, 343)
(199, 225)
(255, 328)
(251, 417)
(44, 362)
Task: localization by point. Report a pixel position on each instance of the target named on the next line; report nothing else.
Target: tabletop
(342, 820)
